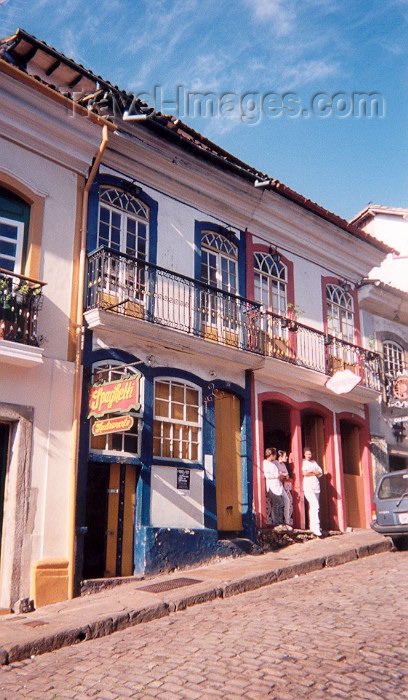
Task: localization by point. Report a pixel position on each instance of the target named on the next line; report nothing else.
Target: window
(177, 420)
(219, 269)
(340, 313)
(219, 262)
(129, 441)
(393, 358)
(123, 223)
(270, 283)
(14, 220)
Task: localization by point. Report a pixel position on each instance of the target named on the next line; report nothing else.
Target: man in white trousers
(311, 488)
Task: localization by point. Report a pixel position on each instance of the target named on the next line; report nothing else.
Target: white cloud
(281, 13)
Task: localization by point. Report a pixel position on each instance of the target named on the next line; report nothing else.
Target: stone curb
(109, 624)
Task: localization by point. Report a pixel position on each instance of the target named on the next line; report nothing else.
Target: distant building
(384, 302)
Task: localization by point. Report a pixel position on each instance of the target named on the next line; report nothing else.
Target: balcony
(128, 287)
(20, 301)
(288, 340)
(123, 286)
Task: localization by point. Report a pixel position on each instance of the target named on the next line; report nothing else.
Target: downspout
(78, 367)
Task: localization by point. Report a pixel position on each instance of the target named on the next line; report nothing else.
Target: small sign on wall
(183, 479)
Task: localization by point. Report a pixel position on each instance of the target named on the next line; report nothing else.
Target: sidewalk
(100, 614)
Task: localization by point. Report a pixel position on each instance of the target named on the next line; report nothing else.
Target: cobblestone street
(335, 633)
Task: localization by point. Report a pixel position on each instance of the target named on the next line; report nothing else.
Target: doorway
(4, 457)
(110, 514)
(228, 461)
(352, 472)
(313, 436)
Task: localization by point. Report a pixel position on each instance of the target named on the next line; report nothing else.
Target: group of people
(279, 488)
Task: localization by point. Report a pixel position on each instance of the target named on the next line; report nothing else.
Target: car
(390, 516)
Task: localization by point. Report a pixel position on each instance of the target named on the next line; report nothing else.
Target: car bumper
(389, 529)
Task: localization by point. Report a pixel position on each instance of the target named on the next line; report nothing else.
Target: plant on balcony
(5, 293)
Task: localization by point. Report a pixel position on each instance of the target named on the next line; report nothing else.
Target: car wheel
(400, 543)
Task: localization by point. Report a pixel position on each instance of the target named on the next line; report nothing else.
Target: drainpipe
(78, 368)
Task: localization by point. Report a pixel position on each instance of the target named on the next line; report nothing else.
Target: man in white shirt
(311, 488)
(274, 488)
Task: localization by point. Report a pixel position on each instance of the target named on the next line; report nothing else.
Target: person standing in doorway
(287, 487)
(311, 488)
(274, 488)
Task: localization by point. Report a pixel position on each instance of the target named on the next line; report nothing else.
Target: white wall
(172, 507)
(57, 186)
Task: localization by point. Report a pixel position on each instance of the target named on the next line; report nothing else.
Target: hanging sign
(343, 381)
(400, 388)
(119, 424)
(115, 397)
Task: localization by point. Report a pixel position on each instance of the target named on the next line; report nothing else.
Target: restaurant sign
(119, 424)
(115, 397)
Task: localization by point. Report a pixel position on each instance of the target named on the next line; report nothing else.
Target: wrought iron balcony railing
(291, 341)
(132, 287)
(125, 285)
(20, 300)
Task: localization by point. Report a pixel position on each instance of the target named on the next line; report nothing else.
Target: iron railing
(132, 287)
(20, 300)
(291, 341)
(126, 285)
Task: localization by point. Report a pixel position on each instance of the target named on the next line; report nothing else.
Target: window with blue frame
(219, 269)
(177, 420)
(123, 222)
(14, 221)
(123, 226)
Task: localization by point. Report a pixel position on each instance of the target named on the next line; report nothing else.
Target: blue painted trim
(92, 236)
(199, 227)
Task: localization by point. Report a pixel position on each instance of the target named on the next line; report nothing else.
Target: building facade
(44, 159)
(384, 301)
(218, 303)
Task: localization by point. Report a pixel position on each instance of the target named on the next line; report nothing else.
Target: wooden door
(120, 521)
(111, 495)
(228, 462)
(353, 479)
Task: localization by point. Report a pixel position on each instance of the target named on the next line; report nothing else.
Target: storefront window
(124, 442)
(177, 421)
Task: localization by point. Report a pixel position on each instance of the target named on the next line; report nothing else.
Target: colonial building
(218, 303)
(44, 159)
(384, 301)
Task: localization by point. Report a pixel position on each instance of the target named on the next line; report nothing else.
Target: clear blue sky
(300, 46)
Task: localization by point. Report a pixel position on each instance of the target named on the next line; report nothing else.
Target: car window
(393, 486)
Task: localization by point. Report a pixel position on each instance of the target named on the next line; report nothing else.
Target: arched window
(125, 442)
(219, 262)
(14, 220)
(177, 420)
(393, 355)
(340, 313)
(123, 222)
(271, 283)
